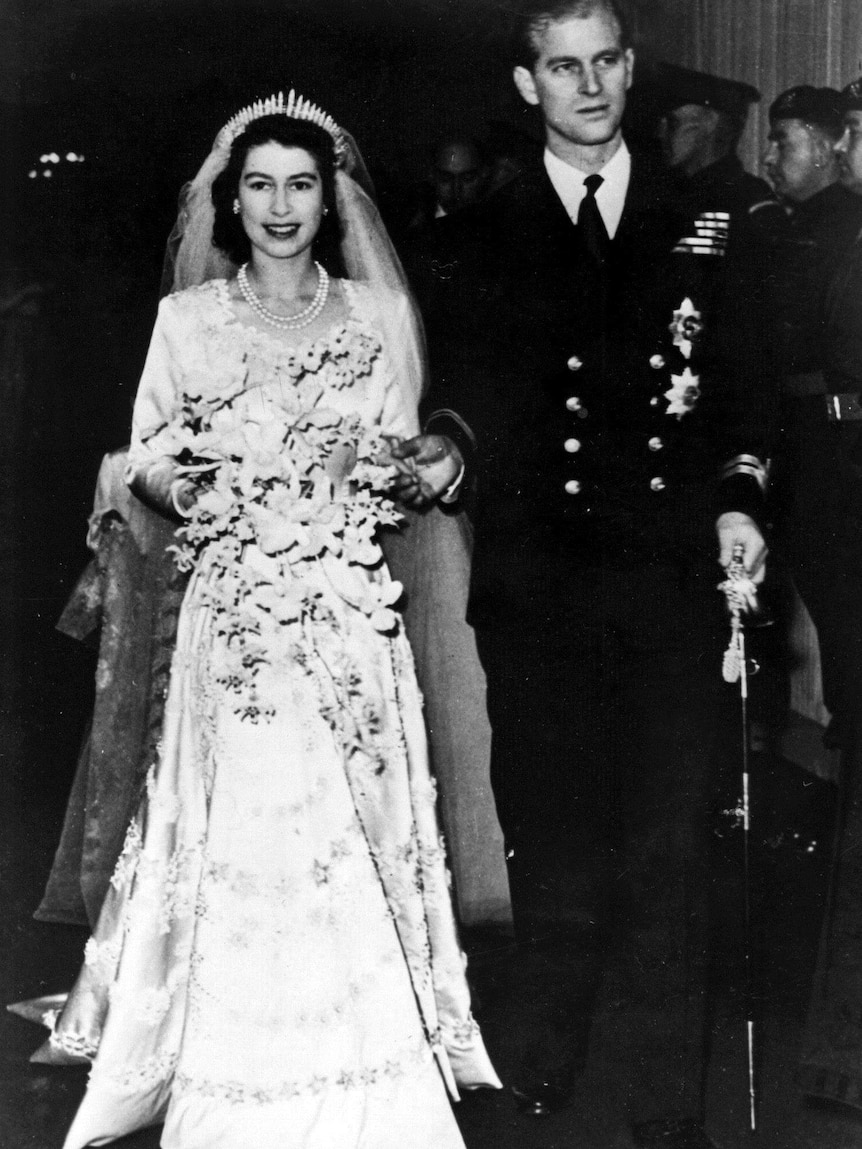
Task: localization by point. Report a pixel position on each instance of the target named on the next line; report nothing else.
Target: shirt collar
(568, 183)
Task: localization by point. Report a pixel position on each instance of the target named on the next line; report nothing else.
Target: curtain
(773, 44)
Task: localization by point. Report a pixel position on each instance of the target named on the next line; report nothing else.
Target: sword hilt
(738, 587)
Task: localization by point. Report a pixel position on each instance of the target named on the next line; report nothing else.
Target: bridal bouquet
(280, 486)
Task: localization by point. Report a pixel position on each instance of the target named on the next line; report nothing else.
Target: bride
(276, 964)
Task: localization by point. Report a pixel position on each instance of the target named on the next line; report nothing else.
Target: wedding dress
(276, 964)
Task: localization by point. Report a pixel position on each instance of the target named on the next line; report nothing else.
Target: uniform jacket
(821, 229)
(818, 473)
(727, 187)
(843, 319)
(735, 215)
(597, 436)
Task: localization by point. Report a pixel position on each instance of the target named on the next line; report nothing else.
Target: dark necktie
(591, 224)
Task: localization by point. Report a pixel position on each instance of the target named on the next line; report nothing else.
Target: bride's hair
(228, 233)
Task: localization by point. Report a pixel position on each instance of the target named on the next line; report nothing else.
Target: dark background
(141, 86)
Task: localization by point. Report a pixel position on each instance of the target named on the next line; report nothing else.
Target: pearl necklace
(286, 322)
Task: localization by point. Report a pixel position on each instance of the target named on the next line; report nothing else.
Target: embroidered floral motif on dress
(245, 885)
(179, 885)
(149, 1006)
(105, 953)
(127, 862)
(240, 1093)
(168, 802)
(464, 1033)
(73, 1044)
(140, 1077)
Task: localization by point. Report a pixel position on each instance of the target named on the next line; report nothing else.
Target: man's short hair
(530, 17)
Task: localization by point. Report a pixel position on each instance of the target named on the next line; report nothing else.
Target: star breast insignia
(684, 393)
(686, 326)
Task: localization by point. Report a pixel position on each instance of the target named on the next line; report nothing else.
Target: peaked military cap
(851, 97)
(678, 86)
(819, 106)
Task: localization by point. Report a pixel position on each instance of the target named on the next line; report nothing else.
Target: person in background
(459, 178)
(610, 438)
(703, 118)
(825, 541)
(735, 215)
(805, 124)
(809, 169)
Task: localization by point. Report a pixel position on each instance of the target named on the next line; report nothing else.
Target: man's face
(579, 80)
(794, 159)
(460, 177)
(686, 134)
(849, 149)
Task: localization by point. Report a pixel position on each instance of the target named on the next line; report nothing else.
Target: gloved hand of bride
(426, 467)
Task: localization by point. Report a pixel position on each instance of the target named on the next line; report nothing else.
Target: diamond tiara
(294, 106)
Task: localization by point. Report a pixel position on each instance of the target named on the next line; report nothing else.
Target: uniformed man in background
(817, 345)
(805, 124)
(703, 118)
(735, 215)
(825, 541)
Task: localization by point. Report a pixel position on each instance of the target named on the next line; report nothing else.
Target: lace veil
(366, 249)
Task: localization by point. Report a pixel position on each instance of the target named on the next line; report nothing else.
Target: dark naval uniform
(736, 215)
(820, 231)
(745, 202)
(818, 348)
(825, 541)
(610, 432)
(818, 492)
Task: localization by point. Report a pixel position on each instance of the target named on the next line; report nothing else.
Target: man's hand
(427, 466)
(733, 527)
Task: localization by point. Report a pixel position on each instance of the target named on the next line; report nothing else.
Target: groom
(609, 391)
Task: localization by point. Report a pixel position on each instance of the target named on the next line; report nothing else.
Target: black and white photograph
(431, 574)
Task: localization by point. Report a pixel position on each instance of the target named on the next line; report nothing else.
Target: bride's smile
(280, 198)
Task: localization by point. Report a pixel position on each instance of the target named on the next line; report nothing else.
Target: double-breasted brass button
(655, 443)
(572, 445)
(573, 363)
(573, 403)
(657, 484)
(572, 487)
(656, 362)
(654, 401)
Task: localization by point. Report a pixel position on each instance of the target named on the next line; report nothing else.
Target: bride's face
(281, 200)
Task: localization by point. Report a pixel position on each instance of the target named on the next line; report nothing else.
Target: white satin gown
(276, 965)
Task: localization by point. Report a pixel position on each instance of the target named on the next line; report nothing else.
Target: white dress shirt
(611, 197)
